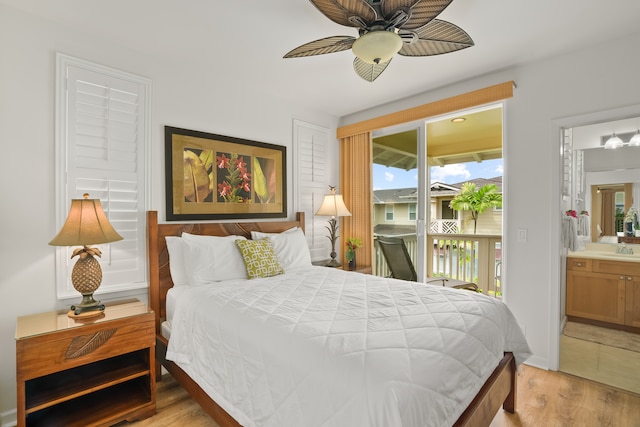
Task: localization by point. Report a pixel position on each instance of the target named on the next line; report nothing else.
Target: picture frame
(211, 176)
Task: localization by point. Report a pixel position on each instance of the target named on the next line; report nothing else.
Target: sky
(386, 178)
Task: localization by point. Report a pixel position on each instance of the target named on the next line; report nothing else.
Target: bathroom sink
(616, 255)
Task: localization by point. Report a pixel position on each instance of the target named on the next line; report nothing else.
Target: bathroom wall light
(613, 143)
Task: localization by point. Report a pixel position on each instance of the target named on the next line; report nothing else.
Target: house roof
(395, 195)
(438, 189)
(393, 230)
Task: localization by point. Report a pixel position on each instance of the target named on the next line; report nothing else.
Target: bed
(289, 368)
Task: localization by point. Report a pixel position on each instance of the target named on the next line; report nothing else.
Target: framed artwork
(212, 176)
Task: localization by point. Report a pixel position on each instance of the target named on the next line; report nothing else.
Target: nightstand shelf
(59, 387)
(103, 407)
(92, 373)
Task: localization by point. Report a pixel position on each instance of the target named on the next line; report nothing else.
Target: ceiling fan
(386, 27)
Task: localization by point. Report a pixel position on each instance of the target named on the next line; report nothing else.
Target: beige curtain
(608, 213)
(356, 187)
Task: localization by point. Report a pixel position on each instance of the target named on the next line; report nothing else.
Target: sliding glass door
(418, 170)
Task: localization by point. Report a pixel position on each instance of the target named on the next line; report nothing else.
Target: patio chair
(397, 256)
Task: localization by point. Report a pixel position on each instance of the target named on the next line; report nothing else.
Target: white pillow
(176, 261)
(212, 258)
(290, 246)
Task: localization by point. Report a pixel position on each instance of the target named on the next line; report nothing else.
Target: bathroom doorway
(603, 184)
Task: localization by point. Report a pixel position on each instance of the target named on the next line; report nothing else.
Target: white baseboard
(9, 418)
(538, 362)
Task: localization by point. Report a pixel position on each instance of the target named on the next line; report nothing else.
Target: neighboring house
(395, 211)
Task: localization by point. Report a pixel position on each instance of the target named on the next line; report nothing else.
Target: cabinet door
(596, 296)
(632, 316)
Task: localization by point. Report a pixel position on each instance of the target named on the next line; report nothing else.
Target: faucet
(623, 249)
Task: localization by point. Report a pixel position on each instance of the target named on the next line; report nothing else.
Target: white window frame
(415, 211)
(115, 279)
(389, 209)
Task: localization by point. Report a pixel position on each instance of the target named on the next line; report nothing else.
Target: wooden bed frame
(498, 390)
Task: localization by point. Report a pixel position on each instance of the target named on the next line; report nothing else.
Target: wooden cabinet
(604, 290)
(97, 372)
(632, 315)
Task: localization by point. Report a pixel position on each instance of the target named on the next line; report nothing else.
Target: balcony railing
(444, 226)
(471, 258)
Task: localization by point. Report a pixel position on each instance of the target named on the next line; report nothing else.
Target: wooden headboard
(159, 276)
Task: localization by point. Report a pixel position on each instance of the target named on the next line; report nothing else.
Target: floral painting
(212, 176)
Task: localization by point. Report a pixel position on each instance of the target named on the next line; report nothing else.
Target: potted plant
(352, 243)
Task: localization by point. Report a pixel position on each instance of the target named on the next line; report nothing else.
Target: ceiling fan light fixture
(635, 140)
(377, 47)
(613, 143)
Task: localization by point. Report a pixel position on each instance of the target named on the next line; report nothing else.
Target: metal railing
(471, 258)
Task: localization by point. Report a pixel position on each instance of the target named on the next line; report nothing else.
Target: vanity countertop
(606, 251)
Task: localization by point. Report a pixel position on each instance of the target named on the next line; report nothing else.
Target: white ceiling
(246, 39)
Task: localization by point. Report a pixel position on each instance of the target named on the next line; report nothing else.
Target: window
(412, 212)
(102, 132)
(388, 212)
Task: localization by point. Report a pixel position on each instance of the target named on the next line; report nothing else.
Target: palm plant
(476, 200)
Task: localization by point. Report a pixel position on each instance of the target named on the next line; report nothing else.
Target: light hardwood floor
(545, 399)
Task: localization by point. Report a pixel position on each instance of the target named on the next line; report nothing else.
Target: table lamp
(333, 206)
(86, 224)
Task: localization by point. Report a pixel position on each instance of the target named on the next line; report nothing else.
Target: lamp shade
(613, 143)
(377, 47)
(86, 224)
(635, 140)
(333, 205)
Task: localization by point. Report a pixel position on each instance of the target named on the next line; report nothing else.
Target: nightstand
(96, 372)
(345, 267)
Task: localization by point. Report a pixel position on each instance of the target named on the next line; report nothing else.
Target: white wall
(562, 91)
(184, 95)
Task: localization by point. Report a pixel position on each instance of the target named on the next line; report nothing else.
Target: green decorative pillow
(259, 258)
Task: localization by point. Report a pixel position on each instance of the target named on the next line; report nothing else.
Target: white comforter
(325, 347)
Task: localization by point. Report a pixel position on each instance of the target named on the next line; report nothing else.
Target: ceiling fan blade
(343, 11)
(435, 38)
(420, 11)
(322, 46)
(367, 71)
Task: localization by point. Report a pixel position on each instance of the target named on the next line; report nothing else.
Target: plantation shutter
(102, 150)
(311, 183)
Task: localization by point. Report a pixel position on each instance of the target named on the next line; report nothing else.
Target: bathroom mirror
(606, 181)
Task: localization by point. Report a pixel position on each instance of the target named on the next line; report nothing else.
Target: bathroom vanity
(604, 286)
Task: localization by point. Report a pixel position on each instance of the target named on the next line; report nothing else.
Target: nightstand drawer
(45, 354)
